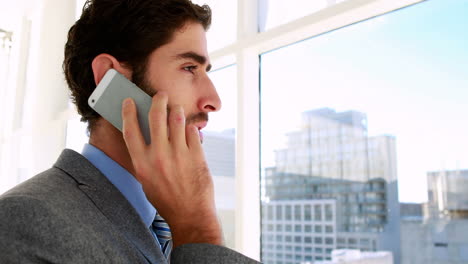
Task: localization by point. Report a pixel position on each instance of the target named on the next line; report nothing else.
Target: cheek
(181, 92)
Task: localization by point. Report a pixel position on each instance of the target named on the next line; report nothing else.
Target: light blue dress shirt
(123, 180)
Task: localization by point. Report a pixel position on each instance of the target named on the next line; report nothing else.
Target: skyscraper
(332, 158)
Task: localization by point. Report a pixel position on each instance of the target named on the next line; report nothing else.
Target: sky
(407, 70)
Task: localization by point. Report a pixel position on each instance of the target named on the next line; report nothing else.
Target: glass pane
(219, 145)
(223, 30)
(368, 119)
(274, 13)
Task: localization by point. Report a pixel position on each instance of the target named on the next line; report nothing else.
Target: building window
(328, 212)
(288, 212)
(297, 212)
(318, 212)
(270, 212)
(318, 240)
(307, 212)
(318, 229)
(279, 212)
(297, 228)
(279, 227)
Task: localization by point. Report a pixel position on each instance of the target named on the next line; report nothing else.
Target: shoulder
(22, 217)
(31, 213)
(207, 253)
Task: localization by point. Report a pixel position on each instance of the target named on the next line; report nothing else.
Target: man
(122, 201)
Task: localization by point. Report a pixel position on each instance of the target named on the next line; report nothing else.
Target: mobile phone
(109, 95)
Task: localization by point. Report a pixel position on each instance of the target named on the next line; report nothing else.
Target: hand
(173, 171)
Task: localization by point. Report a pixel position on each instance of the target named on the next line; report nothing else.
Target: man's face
(181, 69)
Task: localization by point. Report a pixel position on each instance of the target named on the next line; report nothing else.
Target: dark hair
(129, 30)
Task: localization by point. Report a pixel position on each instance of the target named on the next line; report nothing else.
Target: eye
(190, 68)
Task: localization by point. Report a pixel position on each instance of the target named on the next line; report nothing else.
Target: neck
(109, 140)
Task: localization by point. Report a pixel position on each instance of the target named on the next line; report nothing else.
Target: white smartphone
(108, 96)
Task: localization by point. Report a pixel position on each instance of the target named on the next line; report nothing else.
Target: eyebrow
(194, 56)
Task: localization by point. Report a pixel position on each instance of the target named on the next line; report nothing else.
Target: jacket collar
(111, 203)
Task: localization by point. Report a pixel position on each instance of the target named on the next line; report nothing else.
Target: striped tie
(163, 235)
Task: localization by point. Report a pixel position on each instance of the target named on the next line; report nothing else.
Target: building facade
(219, 148)
(332, 158)
(440, 235)
(297, 231)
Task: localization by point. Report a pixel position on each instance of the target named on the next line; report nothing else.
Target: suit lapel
(111, 203)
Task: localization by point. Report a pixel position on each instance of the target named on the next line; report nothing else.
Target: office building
(439, 236)
(353, 256)
(219, 148)
(332, 158)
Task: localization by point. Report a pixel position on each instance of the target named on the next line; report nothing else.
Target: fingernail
(127, 102)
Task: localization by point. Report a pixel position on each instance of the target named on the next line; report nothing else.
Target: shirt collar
(123, 180)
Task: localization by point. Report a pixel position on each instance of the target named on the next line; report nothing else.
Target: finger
(193, 138)
(158, 118)
(177, 127)
(131, 130)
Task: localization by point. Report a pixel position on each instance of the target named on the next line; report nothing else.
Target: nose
(209, 101)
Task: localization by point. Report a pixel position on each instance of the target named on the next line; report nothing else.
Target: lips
(200, 126)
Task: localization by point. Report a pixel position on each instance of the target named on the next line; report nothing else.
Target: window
(270, 212)
(307, 212)
(318, 229)
(318, 212)
(328, 212)
(297, 228)
(279, 212)
(288, 212)
(318, 240)
(366, 99)
(297, 212)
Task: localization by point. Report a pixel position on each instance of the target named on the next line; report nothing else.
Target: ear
(103, 62)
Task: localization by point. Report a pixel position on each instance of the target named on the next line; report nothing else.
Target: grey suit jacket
(71, 213)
